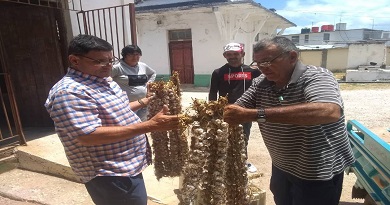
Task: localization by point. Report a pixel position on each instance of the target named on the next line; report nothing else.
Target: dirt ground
(258, 155)
(367, 106)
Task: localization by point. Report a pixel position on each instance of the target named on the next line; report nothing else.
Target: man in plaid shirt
(103, 138)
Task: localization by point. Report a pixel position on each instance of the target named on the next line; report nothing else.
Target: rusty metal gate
(27, 54)
(10, 125)
(29, 73)
(110, 24)
(11, 133)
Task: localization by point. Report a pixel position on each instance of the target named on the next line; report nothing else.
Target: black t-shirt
(231, 81)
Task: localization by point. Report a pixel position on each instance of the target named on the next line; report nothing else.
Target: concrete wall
(314, 39)
(206, 44)
(340, 59)
(388, 56)
(210, 30)
(346, 36)
(86, 5)
(311, 57)
(337, 59)
(92, 4)
(337, 37)
(363, 54)
(367, 75)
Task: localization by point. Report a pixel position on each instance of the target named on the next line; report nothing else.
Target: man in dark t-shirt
(233, 79)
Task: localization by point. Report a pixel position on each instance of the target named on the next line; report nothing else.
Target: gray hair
(282, 43)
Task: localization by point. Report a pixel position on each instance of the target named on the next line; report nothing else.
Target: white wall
(98, 4)
(363, 54)
(206, 46)
(346, 36)
(89, 5)
(335, 37)
(367, 75)
(207, 41)
(239, 23)
(314, 39)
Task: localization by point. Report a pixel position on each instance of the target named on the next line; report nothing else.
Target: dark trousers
(114, 190)
(290, 190)
(247, 131)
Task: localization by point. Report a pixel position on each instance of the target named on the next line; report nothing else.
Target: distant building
(188, 35)
(339, 36)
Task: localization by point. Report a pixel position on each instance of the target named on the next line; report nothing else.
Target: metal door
(35, 43)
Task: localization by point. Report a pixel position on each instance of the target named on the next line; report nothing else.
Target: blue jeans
(291, 190)
(116, 190)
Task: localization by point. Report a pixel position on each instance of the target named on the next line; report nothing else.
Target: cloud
(355, 13)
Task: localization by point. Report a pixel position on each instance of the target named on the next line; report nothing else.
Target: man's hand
(163, 122)
(235, 114)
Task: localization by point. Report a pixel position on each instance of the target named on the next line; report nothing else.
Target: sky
(371, 14)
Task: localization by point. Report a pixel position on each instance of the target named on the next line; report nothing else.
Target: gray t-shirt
(133, 80)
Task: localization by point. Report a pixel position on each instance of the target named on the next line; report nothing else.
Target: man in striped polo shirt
(299, 110)
(103, 138)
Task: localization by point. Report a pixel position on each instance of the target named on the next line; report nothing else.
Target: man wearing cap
(233, 79)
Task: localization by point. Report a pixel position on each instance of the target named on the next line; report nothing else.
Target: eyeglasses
(268, 63)
(101, 63)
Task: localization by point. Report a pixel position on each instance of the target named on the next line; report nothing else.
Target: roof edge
(179, 5)
(201, 3)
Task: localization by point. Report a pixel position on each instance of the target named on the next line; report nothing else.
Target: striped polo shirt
(313, 152)
(78, 104)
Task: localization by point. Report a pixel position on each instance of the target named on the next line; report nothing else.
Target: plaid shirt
(78, 104)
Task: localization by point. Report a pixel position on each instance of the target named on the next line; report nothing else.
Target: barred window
(177, 35)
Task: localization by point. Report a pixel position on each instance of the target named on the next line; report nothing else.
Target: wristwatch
(261, 115)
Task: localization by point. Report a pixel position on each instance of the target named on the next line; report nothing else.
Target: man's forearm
(106, 135)
(304, 114)
(138, 104)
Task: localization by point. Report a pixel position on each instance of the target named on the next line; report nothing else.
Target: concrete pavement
(44, 177)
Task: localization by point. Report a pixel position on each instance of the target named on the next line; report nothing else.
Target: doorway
(34, 38)
(180, 54)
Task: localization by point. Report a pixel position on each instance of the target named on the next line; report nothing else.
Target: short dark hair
(130, 49)
(283, 43)
(83, 43)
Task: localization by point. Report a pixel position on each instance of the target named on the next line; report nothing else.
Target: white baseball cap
(233, 47)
